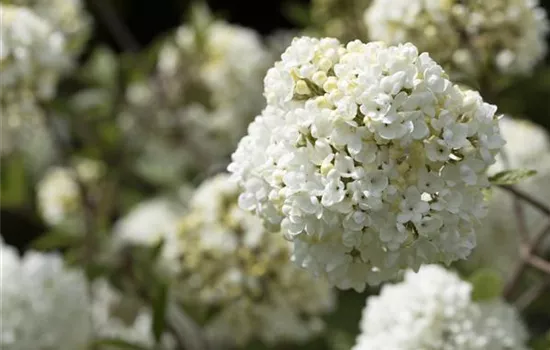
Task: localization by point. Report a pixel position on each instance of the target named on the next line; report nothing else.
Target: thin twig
(527, 198)
(526, 251)
(538, 263)
(531, 295)
(118, 29)
(521, 222)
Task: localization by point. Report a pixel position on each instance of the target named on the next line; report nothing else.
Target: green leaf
(117, 344)
(156, 249)
(297, 13)
(511, 177)
(55, 240)
(487, 284)
(160, 302)
(541, 343)
(341, 340)
(13, 184)
(487, 193)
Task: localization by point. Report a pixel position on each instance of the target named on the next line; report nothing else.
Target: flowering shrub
(362, 145)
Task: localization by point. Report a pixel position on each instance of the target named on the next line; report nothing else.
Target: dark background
(149, 18)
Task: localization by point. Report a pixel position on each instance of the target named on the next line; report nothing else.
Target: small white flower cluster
(31, 138)
(66, 16)
(46, 305)
(207, 90)
(527, 147)
(58, 193)
(116, 317)
(148, 223)
(231, 264)
(32, 57)
(508, 34)
(433, 309)
(368, 158)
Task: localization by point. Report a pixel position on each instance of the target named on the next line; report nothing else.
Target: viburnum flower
(46, 305)
(32, 57)
(433, 309)
(148, 223)
(207, 89)
(473, 36)
(67, 16)
(527, 147)
(368, 159)
(232, 266)
(59, 194)
(27, 136)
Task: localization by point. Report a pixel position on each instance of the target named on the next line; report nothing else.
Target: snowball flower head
(59, 195)
(527, 147)
(211, 89)
(231, 264)
(507, 34)
(368, 159)
(148, 223)
(433, 309)
(66, 16)
(47, 304)
(32, 57)
(224, 66)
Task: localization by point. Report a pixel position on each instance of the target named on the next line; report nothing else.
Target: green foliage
(541, 343)
(14, 190)
(341, 340)
(57, 239)
(511, 177)
(486, 285)
(159, 302)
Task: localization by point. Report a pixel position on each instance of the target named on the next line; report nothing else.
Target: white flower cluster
(433, 309)
(527, 147)
(231, 264)
(58, 193)
(368, 158)
(148, 223)
(508, 34)
(46, 305)
(32, 57)
(31, 138)
(66, 16)
(207, 90)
